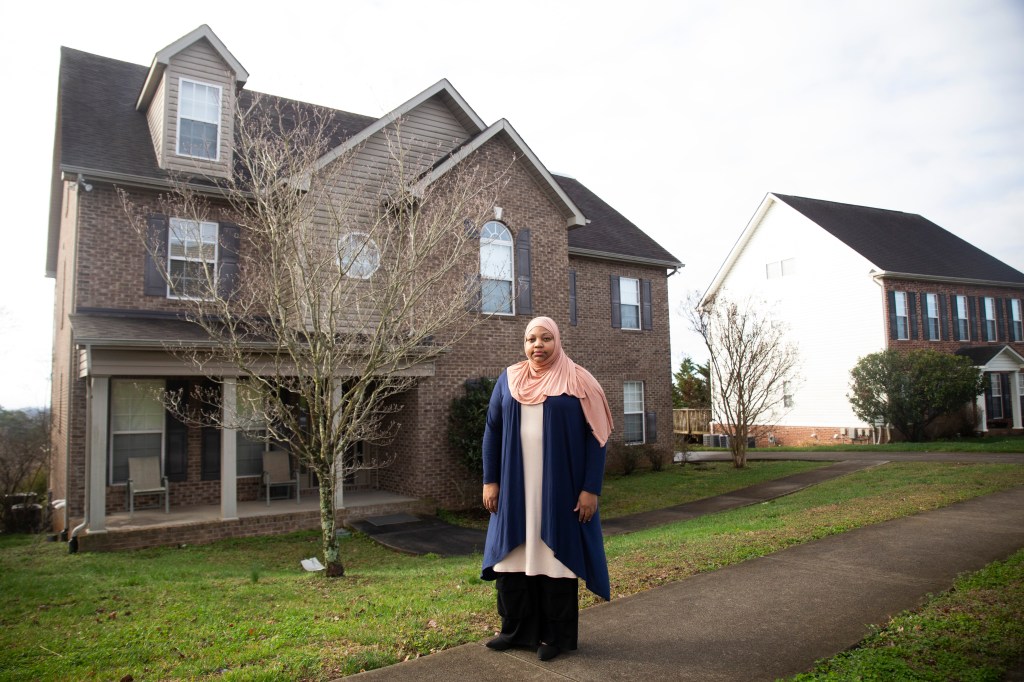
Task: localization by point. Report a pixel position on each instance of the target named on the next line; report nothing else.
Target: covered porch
(201, 524)
(1001, 407)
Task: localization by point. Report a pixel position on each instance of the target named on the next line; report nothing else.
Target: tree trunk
(332, 551)
(739, 448)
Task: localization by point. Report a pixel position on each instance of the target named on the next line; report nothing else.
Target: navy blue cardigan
(573, 462)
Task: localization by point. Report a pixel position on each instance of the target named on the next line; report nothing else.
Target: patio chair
(144, 479)
(276, 472)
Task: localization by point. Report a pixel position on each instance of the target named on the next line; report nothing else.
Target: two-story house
(853, 280)
(123, 126)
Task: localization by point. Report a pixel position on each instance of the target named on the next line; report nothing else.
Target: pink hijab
(531, 382)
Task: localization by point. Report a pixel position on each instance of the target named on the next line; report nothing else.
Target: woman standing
(543, 454)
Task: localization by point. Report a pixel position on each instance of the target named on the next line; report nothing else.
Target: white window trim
(639, 305)
(215, 261)
(220, 106)
(963, 315)
(643, 416)
(1016, 323)
(112, 432)
(510, 242)
(928, 316)
(787, 394)
(991, 328)
(368, 246)
(901, 296)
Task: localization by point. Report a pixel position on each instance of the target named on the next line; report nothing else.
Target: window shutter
(943, 322)
(210, 450)
(972, 318)
(227, 267)
(651, 427)
(891, 297)
(1000, 320)
(474, 297)
(616, 307)
(176, 453)
(645, 304)
(572, 297)
(156, 255)
(954, 305)
(524, 292)
(912, 313)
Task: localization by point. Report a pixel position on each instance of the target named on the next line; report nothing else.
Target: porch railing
(691, 421)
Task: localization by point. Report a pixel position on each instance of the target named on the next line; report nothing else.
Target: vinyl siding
(832, 306)
(201, 63)
(156, 118)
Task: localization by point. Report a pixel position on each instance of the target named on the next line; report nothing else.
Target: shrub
(657, 457)
(467, 420)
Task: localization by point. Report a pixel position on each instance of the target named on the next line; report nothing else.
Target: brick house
(852, 280)
(128, 126)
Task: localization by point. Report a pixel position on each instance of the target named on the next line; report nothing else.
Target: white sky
(682, 115)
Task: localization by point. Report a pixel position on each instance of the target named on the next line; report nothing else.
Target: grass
(980, 444)
(973, 632)
(647, 490)
(243, 610)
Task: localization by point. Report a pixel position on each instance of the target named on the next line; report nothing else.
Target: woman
(543, 455)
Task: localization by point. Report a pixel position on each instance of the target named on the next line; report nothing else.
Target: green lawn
(244, 610)
(982, 444)
(973, 632)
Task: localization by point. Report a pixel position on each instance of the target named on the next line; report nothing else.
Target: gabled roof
(163, 58)
(504, 129)
(101, 135)
(897, 244)
(608, 233)
(904, 243)
(980, 356)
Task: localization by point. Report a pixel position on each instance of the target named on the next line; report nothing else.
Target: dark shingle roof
(981, 355)
(609, 231)
(100, 130)
(903, 242)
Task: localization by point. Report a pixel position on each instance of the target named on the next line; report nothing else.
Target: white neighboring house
(852, 280)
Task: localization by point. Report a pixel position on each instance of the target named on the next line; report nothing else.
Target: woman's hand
(586, 506)
(491, 497)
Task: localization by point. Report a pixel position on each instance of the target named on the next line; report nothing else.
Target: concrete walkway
(765, 618)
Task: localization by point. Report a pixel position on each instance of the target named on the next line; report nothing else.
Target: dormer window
(198, 120)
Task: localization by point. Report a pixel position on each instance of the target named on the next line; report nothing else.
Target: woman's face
(539, 345)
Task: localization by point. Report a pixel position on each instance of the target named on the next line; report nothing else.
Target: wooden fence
(691, 422)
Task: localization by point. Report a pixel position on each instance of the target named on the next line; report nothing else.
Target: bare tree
(751, 361)
(356, 268)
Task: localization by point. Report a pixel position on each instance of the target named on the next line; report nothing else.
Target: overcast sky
(681, 115)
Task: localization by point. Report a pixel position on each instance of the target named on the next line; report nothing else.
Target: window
(996, 393)
(963, 324)
(990, 318)
(787, 394)
(931, 305)
(358, 255)
(633, 407)
(629, 302)
(136, 423)
(902, 319)
(192, 259)
(496, 269)
(1016, 332)
(198, 119)
(781, 268)
(251, 437)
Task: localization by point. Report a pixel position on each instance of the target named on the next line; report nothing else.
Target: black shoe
(499, 643)
(546, 652)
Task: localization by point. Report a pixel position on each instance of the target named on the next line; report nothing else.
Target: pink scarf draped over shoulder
(531, 382)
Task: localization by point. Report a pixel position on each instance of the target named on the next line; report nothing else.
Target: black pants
(536, 609)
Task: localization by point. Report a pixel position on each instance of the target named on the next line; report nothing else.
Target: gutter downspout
(73, 538)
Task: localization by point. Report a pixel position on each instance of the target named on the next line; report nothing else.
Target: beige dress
(533, 557)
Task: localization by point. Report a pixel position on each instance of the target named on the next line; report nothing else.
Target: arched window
(496, 269)
(358, 255)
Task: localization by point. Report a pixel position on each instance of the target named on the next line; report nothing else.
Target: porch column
(96, 457)
(1015, 396)
(339, 466)
(228, 452)
(982, 425)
